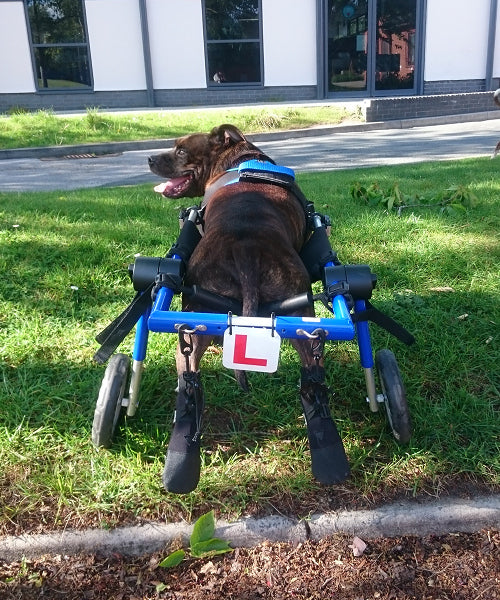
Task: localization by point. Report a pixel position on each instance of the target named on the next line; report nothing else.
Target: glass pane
(347, 45)
(62, 67)
(395, 60)
(232, 19)
(56, 21)
(234, 63)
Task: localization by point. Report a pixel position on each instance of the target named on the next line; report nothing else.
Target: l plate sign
(251, 349)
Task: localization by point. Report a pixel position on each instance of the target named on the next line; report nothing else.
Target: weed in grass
(450, 201)
(433, 269)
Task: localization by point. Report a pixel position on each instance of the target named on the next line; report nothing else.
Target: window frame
(33, 46)
(371, 90)
(211, 84)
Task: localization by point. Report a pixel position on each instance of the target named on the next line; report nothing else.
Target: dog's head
(196, 159)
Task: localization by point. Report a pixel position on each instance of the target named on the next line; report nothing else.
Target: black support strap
(111, 337)
(382, 320)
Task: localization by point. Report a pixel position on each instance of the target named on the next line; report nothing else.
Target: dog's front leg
(182, 463)
(328, 458)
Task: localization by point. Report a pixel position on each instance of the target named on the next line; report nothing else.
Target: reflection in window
(395, 61)
(233, 41)
(347, 45)
(59, 43)
(363, 34)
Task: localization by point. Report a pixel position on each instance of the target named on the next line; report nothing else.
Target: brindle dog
(249, 251)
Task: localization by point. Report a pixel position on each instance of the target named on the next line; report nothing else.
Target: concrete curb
(158, 144)
(393, 520)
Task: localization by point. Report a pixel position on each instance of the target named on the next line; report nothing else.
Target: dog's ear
(228, 135)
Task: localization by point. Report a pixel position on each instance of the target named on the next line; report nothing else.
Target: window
(59, 40)
(396, 24)
(372, 46)
(233, 42)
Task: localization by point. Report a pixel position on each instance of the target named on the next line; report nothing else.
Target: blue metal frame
(141, 336)
(364, 339)
(163, 320)
(339, 327)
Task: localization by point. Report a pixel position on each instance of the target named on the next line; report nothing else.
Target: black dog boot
(182, 463)
(328, 457)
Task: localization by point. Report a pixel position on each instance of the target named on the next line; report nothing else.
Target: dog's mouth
(175, 187)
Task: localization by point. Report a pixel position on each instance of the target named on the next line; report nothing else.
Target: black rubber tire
(109, 402)
(394, 395)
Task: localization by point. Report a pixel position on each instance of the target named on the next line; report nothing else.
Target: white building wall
(115, 38)
(456, 39)
(289, 41)
(16, 72)
(177, 44)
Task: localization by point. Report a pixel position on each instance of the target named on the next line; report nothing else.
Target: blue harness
(252, 171)
(265, 170)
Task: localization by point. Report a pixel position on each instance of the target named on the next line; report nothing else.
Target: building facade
(73, 54)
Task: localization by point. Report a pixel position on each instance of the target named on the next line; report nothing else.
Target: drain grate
(74, 156)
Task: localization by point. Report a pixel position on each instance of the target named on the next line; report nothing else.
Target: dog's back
(249, 251)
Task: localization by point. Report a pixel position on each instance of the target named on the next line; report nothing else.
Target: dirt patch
(449, 567)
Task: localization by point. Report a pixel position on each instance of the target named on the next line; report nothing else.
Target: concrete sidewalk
(392, 520)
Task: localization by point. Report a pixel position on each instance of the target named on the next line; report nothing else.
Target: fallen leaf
(208, 568)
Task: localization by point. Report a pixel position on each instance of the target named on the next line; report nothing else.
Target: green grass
(44, 128)
(255, 450)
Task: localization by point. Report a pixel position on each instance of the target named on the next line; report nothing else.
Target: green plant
(95, 119)
(202, 544)
(452, 200)
(17, 110)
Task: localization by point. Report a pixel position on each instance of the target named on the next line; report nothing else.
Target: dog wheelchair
(250, 343)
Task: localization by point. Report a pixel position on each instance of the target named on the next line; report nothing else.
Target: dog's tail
(247, 268)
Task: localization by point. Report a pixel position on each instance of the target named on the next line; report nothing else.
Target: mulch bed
(450, 567)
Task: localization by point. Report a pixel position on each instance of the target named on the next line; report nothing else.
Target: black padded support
(316, 253)
(186, 242)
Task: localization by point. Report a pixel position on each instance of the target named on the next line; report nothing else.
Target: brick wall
(454, 87)
(163, 98)
(442, 102)
(386, 109)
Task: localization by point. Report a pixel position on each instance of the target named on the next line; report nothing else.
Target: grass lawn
(64, 263)
(45, 128)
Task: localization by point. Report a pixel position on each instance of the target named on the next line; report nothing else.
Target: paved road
(339, 150)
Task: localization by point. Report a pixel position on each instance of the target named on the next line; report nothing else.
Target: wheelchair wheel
(394, 395)
(109, 402)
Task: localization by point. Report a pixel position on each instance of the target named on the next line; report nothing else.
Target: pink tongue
(168, 186)
(160, 188)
